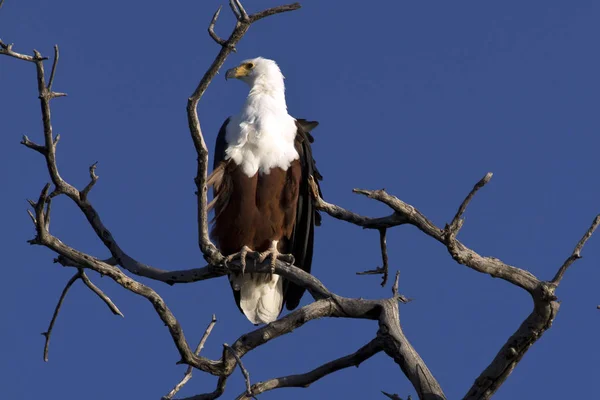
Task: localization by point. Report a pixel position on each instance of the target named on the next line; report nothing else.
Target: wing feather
(307, 216)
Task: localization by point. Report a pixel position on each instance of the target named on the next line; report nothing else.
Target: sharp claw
(242, 257)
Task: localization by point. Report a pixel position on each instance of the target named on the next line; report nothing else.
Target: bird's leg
(241, 255)
(274, 254)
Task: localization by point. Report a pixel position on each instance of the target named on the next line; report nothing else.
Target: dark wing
(306, 215)
(219, 156)
(219, 153)
(218, 179)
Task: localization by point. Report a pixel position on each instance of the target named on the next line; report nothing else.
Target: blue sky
(422, 98)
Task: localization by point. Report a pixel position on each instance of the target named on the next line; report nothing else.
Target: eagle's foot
(273, 254)
(241, 255)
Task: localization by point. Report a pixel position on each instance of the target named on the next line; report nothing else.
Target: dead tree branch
(55, 315)
(188, 373)
(306, 379)
(245, 372)
(384, 269)
(576, 252)
(457, 221)
(112, 306)
(542, 292)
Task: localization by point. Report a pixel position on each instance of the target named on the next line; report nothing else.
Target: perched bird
(262, 199)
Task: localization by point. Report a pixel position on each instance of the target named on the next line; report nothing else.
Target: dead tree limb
(545, 305)
(306, 379)
(109, 303)
(188, 373)
(55, 315)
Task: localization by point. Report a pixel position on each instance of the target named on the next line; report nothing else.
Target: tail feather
(261, 296)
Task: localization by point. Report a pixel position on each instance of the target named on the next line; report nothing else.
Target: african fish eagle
(262, 198)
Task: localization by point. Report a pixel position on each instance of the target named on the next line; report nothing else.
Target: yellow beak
(237, 72)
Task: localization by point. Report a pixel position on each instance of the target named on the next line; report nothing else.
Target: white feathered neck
(262, 135)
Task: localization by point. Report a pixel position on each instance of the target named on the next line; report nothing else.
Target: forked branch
(188, 373)
(576, 252)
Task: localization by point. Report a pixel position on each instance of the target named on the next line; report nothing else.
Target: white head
(259, 73)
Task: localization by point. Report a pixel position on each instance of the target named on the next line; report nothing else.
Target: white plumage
(262, 135)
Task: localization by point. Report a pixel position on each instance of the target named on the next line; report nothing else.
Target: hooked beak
(236, 72)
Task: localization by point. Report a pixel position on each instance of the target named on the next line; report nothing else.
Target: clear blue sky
(422, 98)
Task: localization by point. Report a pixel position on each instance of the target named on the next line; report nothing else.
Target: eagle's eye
(249, 65)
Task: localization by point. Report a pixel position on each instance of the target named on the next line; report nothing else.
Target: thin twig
(456, 223)
(51, 81)
(112, 306)
(55, 315)
(242, 11)
(47, 212)
(576, 252)
(235, 10)
(93, 179)
(211, 28)
(219, 390)
(34, 146)
(395, 285)
(384, 269)
(273, 11)
(188, 373)
(242, 368)
(392, 396)
(384, 255)
(1, 3)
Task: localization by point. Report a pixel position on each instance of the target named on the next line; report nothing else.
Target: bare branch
(235, 10)
(47, 213)
(212, 395)
(393, 396)
(84, 193)
(384, 269)
(395, 285)
(211, 29)
(115, 310)
(34, 146)
(457, 222)
(576, 252)
(55, 315)
(249, 393)
(532, 328)
(406, 214)
(395, 344)
(348, 216)
(273, 11)
(7, 50)
(1, 3)
(188, 373)
(51, 81)
(384, 255)
(243, 15)
(306, 379)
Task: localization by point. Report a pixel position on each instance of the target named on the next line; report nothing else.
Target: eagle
(262, 199)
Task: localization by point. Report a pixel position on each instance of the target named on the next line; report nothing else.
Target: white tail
(261, 296)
